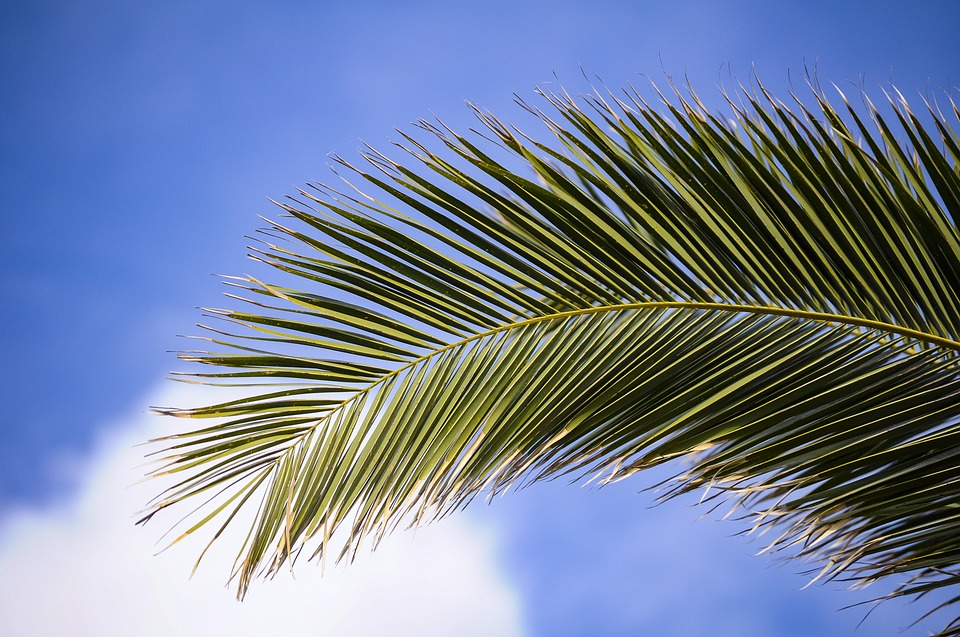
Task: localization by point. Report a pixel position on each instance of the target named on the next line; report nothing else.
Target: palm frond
(771, 293)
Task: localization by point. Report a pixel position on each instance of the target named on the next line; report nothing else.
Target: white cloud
(83, 568)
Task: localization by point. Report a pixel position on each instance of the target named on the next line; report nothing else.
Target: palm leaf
(771, 294)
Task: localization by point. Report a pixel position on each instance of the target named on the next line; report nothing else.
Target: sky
(139, 142)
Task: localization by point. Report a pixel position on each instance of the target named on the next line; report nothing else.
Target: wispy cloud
(83, 568)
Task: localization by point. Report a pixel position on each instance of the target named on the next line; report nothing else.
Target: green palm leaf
(773, 296)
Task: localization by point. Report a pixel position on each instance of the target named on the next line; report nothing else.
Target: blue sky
(139, 142)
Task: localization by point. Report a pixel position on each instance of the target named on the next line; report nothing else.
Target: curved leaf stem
(821, 317)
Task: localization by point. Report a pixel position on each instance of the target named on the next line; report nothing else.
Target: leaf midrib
(733, 308)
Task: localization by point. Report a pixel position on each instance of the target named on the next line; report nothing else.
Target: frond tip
(771, 293)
